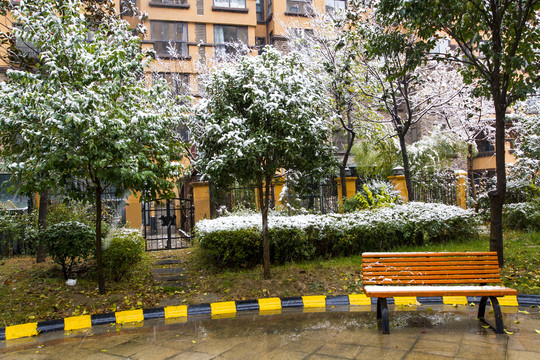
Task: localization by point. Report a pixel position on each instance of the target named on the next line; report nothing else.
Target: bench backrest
(430, 268)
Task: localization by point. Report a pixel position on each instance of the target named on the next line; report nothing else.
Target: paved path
(438, 332)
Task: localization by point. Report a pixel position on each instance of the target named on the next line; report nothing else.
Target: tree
(328, 52)
(497, 42)
(260, 115)
(85, 113)
(400, 77)
(526, 129)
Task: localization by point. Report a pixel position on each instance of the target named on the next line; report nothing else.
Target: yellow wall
(201, 201)
(488, 162)
(351, 189)
(400, 185)
(133, 212)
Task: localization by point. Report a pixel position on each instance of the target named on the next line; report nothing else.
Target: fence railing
(436, 188)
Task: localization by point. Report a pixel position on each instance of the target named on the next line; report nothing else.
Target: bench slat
(443, 281)
(424, 254)
(446, 260)
(422, 263)
(467, 268)
(433, 274)
(390, 291)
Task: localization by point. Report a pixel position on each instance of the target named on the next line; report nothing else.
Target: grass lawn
(34, 292)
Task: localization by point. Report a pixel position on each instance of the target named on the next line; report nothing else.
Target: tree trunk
(497, 197)
(264, 199)
(99, 258)
(470, 170)
(42, 225)
(406, 167)
(342, 173)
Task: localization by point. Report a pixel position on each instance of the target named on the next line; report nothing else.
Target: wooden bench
(434, 274)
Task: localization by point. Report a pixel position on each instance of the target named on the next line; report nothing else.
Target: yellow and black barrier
(217, 310)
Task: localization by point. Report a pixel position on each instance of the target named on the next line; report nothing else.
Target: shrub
(236, 241)
(124, 249)
(17, 233)
(522, 216)
(372, 195)
(68, 243)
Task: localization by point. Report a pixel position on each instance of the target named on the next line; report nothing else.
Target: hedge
(236, 241)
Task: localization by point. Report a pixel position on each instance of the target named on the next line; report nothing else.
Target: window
(299, 7)
(225, 36)
(170, 38)
(260, 11)
(269, 9)
(442, 46)
(234, 4)
(260, 42)
(178, 82)
(334, 5)
(169, 2)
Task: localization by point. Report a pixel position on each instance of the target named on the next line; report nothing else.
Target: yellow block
(177, 320)
(20, 331)
(175, 311)
(77, 322)
(405, 300)
(270, 304)
(223, 308)
(316, 301)
(129, 316)
(359, 299)
(508, 300)
(457, 300)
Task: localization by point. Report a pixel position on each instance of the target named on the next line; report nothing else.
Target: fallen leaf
(524, 312)
(509, 332)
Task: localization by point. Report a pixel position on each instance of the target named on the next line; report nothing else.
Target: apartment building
(188, 35)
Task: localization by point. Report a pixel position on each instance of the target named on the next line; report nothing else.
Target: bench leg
(382, 314)
(499, 327)
(482, 307)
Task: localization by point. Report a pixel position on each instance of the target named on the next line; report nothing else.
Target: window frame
(221, 6)
(223, 48)
(184, 53)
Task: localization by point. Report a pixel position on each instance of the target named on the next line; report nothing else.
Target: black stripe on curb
(247, 305)
(425, 300)
(50, 325)
(201, 309)
(2, 334)
(339, 300)
(474, 299)
(292, 302)
(528, 300)
(103, 319)
(155, 313)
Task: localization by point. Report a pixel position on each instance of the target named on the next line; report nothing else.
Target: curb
(227, 309)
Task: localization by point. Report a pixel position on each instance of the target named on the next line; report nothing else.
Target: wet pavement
(423, 332)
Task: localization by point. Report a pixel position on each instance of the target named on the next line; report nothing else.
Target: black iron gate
(167, 223)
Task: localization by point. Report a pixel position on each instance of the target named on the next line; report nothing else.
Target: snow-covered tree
(526, 130)
(400, 77)
(84, 120)
(326, 49)
(260, 115)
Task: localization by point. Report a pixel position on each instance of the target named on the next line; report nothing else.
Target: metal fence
(435, 187)
(316, 198)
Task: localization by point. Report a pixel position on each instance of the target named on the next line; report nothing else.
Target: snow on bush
(235, 240)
